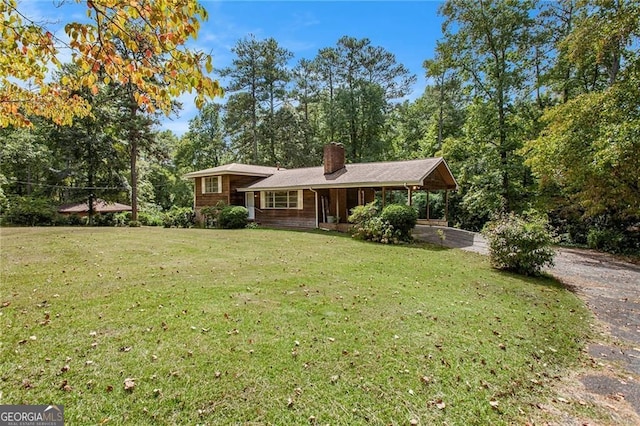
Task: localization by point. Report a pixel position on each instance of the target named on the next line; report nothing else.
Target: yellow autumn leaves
(136, 43)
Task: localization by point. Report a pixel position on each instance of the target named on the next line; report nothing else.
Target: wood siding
(229, 194)
(290, 218)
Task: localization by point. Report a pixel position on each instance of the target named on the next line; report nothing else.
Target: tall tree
(29, 48)
(203, 145)
(588, 150)
(258, 76)
(445, 93)
(358, 83)
(489, 40)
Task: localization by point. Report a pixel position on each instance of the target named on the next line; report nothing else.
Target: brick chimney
(333, 157)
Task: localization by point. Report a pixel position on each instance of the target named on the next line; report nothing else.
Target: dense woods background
(535, 106)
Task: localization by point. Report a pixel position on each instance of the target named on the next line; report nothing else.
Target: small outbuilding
(99, 207)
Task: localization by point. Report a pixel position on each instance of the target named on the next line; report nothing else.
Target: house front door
(250, 204)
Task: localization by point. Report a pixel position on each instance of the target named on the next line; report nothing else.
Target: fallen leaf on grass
(129, 384)
(493, 403)
(440, 404)
(125, 349)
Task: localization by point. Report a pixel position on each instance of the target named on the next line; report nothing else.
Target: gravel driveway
(611, 289)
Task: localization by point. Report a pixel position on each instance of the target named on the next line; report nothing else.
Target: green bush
(210, 214)
(392, 226)
(122, 218)
(74, 220)
(376, 230)
(609, 240)
(361, 214)
(152, 218)
(519, 244)
(233, 217)
(29, 211)
(179, 217)
(104, 219)
(402, 218)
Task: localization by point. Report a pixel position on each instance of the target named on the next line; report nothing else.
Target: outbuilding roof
(383, 174)
(99, 206)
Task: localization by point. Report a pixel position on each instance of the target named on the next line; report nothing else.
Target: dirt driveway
(611, 289)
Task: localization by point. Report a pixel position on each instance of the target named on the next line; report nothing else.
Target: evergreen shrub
(402, 218)
(233, 217)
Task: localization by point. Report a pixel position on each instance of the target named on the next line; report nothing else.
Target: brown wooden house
(315, 197)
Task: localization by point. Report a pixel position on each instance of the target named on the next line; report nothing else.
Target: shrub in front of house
(233, 217)
(392, 226)
(402, 217)
(519, 244)
(210, 214)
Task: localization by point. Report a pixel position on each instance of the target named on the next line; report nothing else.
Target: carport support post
(446, 206)
(428, 205)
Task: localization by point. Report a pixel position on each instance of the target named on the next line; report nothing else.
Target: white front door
(250, 204)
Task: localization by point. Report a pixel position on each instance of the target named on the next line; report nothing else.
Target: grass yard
(274, 327)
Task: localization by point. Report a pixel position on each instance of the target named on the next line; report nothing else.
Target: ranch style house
(317, 197)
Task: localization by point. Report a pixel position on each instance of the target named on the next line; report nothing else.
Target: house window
(281, 199)
(211, 185)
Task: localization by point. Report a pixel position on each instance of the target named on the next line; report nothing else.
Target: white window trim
(204, 186)
(263, 200)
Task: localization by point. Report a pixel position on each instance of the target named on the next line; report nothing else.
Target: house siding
(290, 218)
(229, 194)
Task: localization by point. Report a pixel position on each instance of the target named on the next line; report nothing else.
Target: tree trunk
(133, 147)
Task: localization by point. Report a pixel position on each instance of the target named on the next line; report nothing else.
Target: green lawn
(274, 327)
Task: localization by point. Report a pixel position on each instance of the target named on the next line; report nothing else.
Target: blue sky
(408, 29)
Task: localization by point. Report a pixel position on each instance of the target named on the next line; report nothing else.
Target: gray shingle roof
(395, 173)
(234, 169)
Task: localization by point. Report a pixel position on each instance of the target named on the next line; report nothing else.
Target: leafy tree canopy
(149, 29)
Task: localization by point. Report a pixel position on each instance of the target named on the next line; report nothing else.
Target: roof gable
(234, 169)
